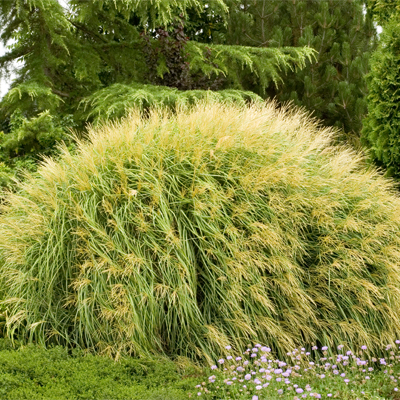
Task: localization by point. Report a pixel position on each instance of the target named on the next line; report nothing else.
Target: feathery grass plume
(182, 232)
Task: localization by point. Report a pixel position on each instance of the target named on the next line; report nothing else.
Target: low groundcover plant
(319, 373)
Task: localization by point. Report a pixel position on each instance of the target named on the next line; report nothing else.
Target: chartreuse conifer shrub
(180, 233)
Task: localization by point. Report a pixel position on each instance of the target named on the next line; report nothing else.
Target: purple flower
(299, 390)
(247, 377)
(254, 398)
(346, 380)
(364, 347)
(214, 367)
(228, 347)
(281, 363)
(277, 371)
(229, 358)
(324, 348)
(280, 391)
(221, 361)
(258, 387)
(238, 358)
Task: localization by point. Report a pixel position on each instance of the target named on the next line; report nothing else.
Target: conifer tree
(333, 87)
(381, 127)
(134, 52)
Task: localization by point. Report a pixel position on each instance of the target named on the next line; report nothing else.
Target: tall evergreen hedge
(381, 130)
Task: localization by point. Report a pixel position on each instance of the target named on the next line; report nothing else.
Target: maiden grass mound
(183, 233)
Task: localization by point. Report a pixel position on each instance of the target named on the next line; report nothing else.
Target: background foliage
(381, 131)
(69, 57)
(333, 86)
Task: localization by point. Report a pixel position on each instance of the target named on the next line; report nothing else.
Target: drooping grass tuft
(181, 233)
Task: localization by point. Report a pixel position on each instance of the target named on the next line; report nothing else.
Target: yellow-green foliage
(181, 233)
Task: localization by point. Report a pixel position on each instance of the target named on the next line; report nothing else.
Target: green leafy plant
(180, 233)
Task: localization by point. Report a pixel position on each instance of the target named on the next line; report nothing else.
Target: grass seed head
(181, 233)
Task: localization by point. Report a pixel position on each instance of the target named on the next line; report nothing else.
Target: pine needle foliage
(116, 100)
(65, 54)
(333, 86)
(184, 232)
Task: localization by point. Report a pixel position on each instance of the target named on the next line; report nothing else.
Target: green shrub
(181, 233)
(34, 373)
(27, 140)
(381, 127)
(115, 101)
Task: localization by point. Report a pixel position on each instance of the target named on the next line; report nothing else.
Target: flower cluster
(319, 373)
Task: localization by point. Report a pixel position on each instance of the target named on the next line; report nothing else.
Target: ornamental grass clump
(181, 233)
